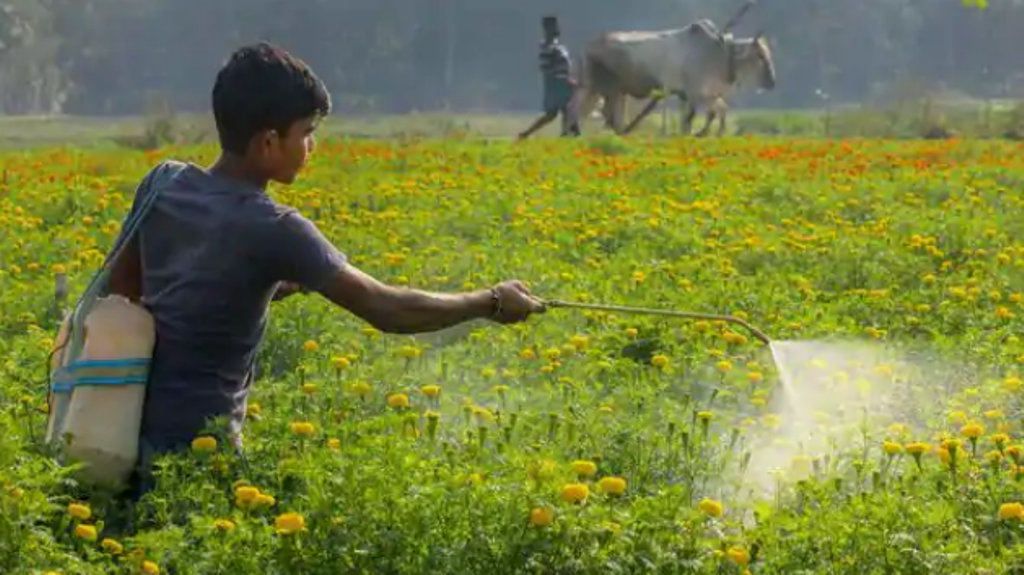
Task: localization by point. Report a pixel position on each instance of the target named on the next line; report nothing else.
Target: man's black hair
(263, 87)
(550, 24)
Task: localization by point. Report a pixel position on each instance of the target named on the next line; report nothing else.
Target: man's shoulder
(167, 169)
(270, 219)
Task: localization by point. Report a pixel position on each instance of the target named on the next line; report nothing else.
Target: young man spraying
(215, 249)
(559, 85)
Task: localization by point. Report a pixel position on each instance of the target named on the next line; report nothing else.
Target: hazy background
(116, 57)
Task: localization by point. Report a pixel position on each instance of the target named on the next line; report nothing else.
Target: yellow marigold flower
(1011, 511)
(79, 511)
(972, 431)
(632, 332)
(150, 568)
(994, 457)
(246, 493)
(224, 525)
(541, 516)
(111, 546)
(659, 361)
(612, 485)
(575, 492)
(734, 338)
(310, 346)
(340, 363)
(892, 448)
(253, 410)
(59, 269)
(1000, 439)
(1012, 383)
(755, 376)
(527, 354)
(705, 415)
(398, 400)
(309, 388)
(410, 351)
(723, 366)
(917, 448)
(584, 468)
(739, 556)
(553, 354)
(264, 499)
(711, 507)
(334, 443)
(361, 389)
(431, 390)
(483, 415)
(541, 470)
(289, 523)
(501, 389)
(303, 428)
(579, 341)
(87, 532)
(204, 444)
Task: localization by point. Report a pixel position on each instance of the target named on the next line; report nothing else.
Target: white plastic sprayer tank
(104, 410)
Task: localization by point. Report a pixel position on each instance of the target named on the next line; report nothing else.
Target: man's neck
(233, 167)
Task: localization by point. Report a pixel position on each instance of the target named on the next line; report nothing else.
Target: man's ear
(266, 142)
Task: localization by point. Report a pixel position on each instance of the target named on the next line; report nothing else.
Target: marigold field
(581, 441)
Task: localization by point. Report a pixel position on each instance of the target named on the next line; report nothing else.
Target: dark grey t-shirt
(213, 251)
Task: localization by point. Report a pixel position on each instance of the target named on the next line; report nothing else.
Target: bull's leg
(722, 110)
(643, 114)
(686, 113)
(708, 118)
(616, 111)
(691, 112)
(607, 115)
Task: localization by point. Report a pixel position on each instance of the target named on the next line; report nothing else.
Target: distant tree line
(120, 56)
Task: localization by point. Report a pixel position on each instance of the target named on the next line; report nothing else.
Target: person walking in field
(214, 250)
(559, 84)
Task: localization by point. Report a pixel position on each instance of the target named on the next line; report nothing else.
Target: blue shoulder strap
(145, 197)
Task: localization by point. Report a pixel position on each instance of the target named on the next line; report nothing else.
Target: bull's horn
(739, 14)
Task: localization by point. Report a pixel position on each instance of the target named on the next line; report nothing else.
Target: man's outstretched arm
(300, 254)
(393, 309)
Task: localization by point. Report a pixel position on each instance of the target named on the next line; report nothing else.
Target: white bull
(697, 64)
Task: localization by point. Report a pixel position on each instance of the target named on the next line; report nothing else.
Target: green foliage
(355, 463)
